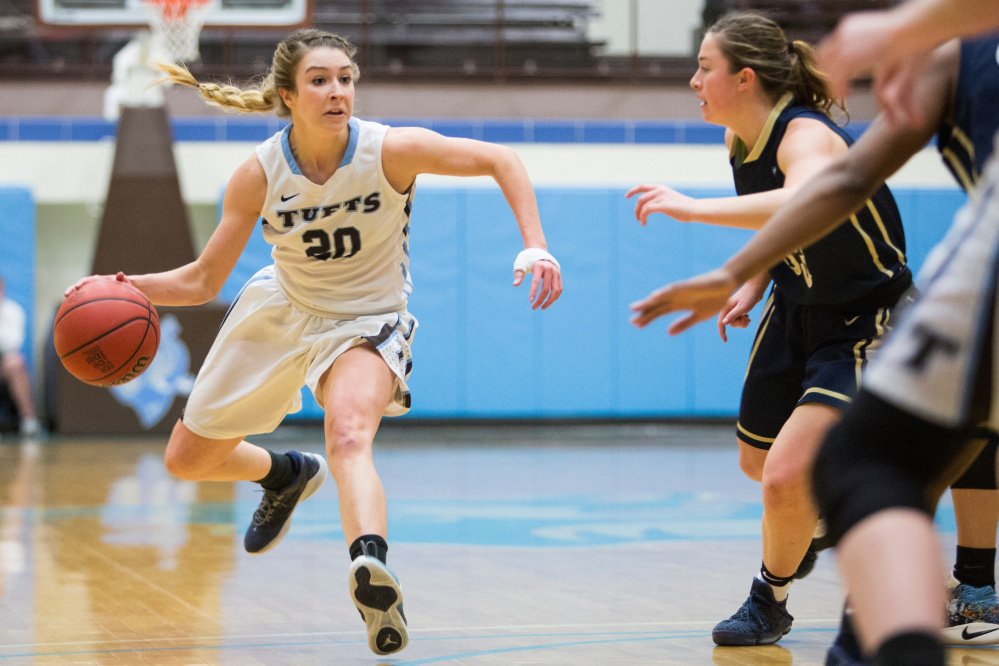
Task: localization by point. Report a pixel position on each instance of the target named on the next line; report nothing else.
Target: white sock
(780, 591)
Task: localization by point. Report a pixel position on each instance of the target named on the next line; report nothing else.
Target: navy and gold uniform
(831, 302)
(965, 140)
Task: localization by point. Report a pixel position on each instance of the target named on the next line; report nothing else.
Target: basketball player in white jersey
(334, 195)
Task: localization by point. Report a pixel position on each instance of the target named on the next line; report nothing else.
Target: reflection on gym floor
(570, 544)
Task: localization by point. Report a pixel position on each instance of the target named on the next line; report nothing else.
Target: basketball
(106, 332)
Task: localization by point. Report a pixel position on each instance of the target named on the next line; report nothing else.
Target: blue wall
(17, 253)
(481, 352)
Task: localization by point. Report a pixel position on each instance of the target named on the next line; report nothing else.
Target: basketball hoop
(176, 26)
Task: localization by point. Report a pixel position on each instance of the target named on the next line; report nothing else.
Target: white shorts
(268, 349)
(929, 363)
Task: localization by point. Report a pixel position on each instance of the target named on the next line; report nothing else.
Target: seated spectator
(13, 369)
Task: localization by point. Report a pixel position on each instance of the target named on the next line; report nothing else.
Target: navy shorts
(804, 354)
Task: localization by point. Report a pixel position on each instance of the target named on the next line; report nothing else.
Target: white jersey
(341, 249)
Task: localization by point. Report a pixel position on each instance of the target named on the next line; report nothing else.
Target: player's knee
(346, 439)
(879, 457)
(182, 460)
(180, 465)
(751, 462)
(786, 487)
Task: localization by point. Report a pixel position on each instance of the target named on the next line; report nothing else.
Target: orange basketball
(106, 332)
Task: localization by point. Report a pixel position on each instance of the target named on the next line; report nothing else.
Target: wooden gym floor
(579, 544)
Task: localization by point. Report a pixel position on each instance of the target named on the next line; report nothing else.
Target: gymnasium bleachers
(397, 39)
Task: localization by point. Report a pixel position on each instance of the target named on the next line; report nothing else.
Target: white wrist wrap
(526, 259)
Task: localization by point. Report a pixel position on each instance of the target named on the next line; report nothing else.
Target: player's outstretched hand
(736, 310)
(865, 43)
(661, 199)
(119, 276)
(700, 296)
(546, 286)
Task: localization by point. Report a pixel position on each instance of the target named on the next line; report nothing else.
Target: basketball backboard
(126, 13)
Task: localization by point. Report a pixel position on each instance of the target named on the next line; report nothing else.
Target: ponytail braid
(226, 96)
(287, 56)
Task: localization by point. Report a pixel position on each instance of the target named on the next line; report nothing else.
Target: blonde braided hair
(226, 96)
(287, 57)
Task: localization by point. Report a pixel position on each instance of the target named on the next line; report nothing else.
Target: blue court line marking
(525, 648)
(625, 637)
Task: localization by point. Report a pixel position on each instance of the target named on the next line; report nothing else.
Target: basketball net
(176, 26)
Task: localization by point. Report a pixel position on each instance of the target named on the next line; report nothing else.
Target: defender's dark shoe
(272, 519)
(820, 542)
(845, 650)
(807, 563)
(377, 595)
(762, 620)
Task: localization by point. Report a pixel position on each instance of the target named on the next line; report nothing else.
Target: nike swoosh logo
(284, 198)
(966, 636)
(851, 320)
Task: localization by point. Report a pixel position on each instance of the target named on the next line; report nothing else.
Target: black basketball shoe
(762, 620)
(272, 519)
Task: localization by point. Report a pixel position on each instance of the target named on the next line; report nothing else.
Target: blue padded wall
(17, 253)
(480, 352)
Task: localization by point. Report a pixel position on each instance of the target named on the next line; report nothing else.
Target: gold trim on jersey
(858, 358)
(880, 327)
(765, 440)
(962, 138)
(768, 311)
(870, 243)
(958, 166)
(959, 141)
(834, 394)
(739, 148)
(884, 232)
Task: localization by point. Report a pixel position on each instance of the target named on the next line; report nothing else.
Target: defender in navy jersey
(856, 474)
(335, 196)
(965, 137)
(859, 265)
(831, 302)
